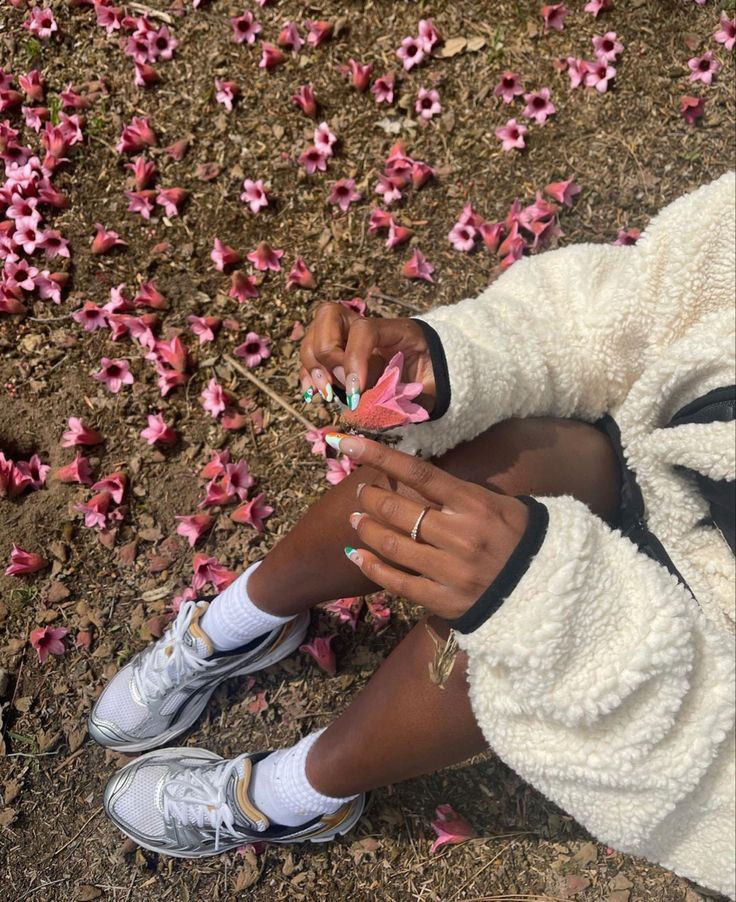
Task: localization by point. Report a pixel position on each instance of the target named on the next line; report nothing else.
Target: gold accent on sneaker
(286, 629)
(196, 630)
(241, 794)
(333, 821)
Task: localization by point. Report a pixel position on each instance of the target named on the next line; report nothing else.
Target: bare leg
(541, 456)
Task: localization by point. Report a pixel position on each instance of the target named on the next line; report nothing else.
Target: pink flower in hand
(411, 52)
(79, 434)
(265, 257)
(598, 6)
(79, 470)
(343, 193)
(254, 349)
(607, 47)
(226, 92)
(213, 398)
(564, 191)
(726, 34)
(114, 484)
(114, 373)
(194, 527)
(383, 88)
(245, 28)
(389, 402)
(338, 469)
(157, 430)
(224, 256)
(692, 108)
(320, 648)
(253, 512)
(347, 609)
(703, 68)
(538, 106)
(255, 194)
(306, 100)
(22, 562)
(48, 640)
(598, 75)
(300, 276)
(428, 103)
(450, 827)
(509, 86)
(313, 159)
(511, 135)
(462, 237)
(554, 16)
(418, 267)
(95, 510)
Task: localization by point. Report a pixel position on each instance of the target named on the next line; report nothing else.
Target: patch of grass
(495, 51)
(32, 50)
(22, 596)
(54, 102)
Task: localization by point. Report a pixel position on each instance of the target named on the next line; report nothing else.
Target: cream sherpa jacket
(600, 679)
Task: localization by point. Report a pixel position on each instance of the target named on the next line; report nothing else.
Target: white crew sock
(232, 619)
(280, 789)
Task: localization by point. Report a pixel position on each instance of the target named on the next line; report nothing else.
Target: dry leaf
(452, 47)
(86, 892)
(6, 817)
(476, 43)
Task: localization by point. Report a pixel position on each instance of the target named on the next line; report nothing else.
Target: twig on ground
(77, 834)
(68, 760)
(153, 13)
(35, 889)
(267, 390)
(400, 301)
(480, 870)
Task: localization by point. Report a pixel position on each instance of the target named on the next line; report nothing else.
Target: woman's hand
(463, 542)
(342, 346)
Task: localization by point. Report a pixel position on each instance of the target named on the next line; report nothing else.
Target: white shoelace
(199, 794)
(171, 659)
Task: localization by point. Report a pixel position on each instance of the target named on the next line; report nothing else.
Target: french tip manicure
(333, 440)
(353, 400)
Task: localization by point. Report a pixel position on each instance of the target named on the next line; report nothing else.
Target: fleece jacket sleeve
(567, 332)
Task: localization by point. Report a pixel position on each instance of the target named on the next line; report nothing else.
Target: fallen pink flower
(271, 57)
(114, 373)
(41, 23)
(428, 103)
(316, 438)
(242, 287)
(577, 69)
(95, 510)
(306, 100)
(216, 495)
(141, 202)
(178, 149)
(704, 68)
(226, 93)
(398, 235)
(172, 199)
(213, 398)
(383, 88)
(411, 52)
(105, 240)
(79, 434)
(32, 85)
(48, 640)
(224, 256)
(319, 31)
(492, 234)
(188, 594)
(79, 470)
(511, 135)
(692, 108)
(450, 827)
(324, 139)
(389, 402)
(379, 610)
(204, 327)
(598, 75)
(360, 74)
(418, 267)
(34, 471)
(149, 296)
(388, 190)
(428, 34)
(53, 244)
(726, 34)
(90, 317)
(172, 352)
(320, 648)
(145, 75)
(343, 193)
(245, 28)
(462, 237)
(313, 159)
(12, 480)
(265, 257)
(216, 465)
(379, 220)
(598, 6)
(24, 562)
(254, 349)
(300, 275)
(627, 236)
(157, 430)
(554, 16)
(564, 191)
(194, 527)
(289, 38)
(607, 47)
(210, 570)
(421, 173)
(255, 194)
(83, 639)
(114, 484)
(236, 479)
(347, 609)
(253, 512)
(136, 136)
(539, 106)
(338, 469)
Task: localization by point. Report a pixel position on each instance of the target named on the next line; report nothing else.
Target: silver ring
(415, 529)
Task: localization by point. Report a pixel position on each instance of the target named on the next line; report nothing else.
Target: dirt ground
(629, 150)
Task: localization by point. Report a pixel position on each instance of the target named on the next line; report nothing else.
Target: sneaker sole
(199, 701)
(341, 829)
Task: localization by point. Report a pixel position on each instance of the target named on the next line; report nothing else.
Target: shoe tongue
(239, 801)
(196, 638)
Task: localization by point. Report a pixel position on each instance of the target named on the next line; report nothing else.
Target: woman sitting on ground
(572, 533)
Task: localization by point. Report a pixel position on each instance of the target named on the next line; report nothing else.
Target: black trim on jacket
(512, 572)
(439, 367)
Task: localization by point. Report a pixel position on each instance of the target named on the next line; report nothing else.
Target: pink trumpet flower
(538, 106)
(339, 469)
(141, 202)
(226, 93)
(210, 570)
(383, 88)
(462, 237)
(598, 75)
(79, 434)
(428, 34)
(214, 399)
(320, 648)
(554, 16)
(48, 640)
(306, 101)
(316, 438)
(23, 562)
(343, 193)
(627, 236)
(564, 191)
(398, 235)
(450, 827)
(149, 296)
(254, 349)
(418, 267)
(255, 194)
(265, 257)
(324, 139)
(136, 136)
(253, 512)
(360, 74)
(289, 38)
(511, 135)
(428, 104)
(172, 199)
(271, 57)
(32, 85)
(356, 304)
(95, 510)
(390, 401)
(607, 47)
(598, 6)
(114, 484)
(300, 275)
(313, 159)
(194, 527)
(347, 609)
(577, 69)
(204, 327)
(157, 430)
(105, 240)
(41, 23)
(319, 31)
(224, 256)
(91, 317)
(33, 472)
(411, 52)
(692, 108)
(704, 68)
(245, 28)
(79, 470)
(215, 466)
(114, 373)
(242, 287)
(726, 34)
(145, 75)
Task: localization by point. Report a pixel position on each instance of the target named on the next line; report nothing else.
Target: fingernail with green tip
(354, 400)
(309, 394)
(353, 555)
(352, 390)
